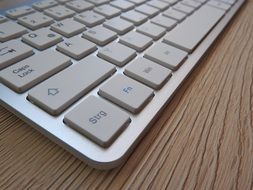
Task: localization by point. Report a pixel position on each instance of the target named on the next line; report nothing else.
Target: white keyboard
(93, 75)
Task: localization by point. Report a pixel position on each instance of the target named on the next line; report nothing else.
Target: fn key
(98, 120)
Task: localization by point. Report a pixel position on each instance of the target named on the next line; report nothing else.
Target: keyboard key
(10, 30)
(135, 40)
(201, 1)
(197, 26)
(12, 52)
(29, 72)
(98, 2)
(191, 3)
(158, 4)
(183, 8)
(171, 2)
(117, 54)
(107, 11)
(134, 17)
(76, 47)
(20, 11)
(137, 2)
(35, 21)
(54, 95)
(230, 2)
(219, 5)
(3, 19)
(174, 14)
(79, 5)
(63, 1)
(147, 10)
(126, 93)
(100, 121)
(89, 18)
(148, 72)
(164, 22)
(68, 27)
(44, 4)
(59, 12)
(42, 38)
(118, 25)
(166, 55)
(122, 4)
(100, 35)
(151, 30)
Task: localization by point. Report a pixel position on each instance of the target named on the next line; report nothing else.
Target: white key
(10, 30)
(68, 27)
(12, 52)
(100, 120)
(44, 4)
(79, 5)
(118, 25)
(151, 30)
(76, 47)
(137, 2)
(107, 11)
(20, 11)
(63, 1)
(3, 19)
(166, 55)
(134, 17)
(29, 72)
(219, 5)
(100, 35)
(201, 1)
(164, 22)
(147, 10)
(122, 4)
(183, 8)
(230, 2)
(59, 12)
(158, 4)
(171, 2)
(54, 96)
(174, 14)
(127, 93)
(89, 18)
(42, 38)
(135, 40)
(35, 21)
(117, 54)
(197, 26)
(99, 2)
(191, 3)
(148, 72)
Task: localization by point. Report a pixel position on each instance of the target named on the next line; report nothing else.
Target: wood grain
(203, 139)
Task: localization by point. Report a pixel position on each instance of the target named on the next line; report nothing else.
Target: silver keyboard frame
(118, 152)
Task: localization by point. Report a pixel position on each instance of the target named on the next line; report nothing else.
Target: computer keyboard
(94, 75)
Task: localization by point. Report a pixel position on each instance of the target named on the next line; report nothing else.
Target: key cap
(100, 121)
(35, 21)
(197, 26)
(59, 12)
(29, 72)
(63, 1)
(76, 47)
(183, 8)
(3, 19)
(118, 25)
(79, 5)
(10, 30)
(201, 1)
(20, 11)
(151, 30)
(134, 17)
(89, 18)
(100, 35)
(42, 38)
(158, 4)
(147, 10)
(166, 55)
(41, 5)
(191, 3)
(126, 93)
(230, 2)
(219, 5)
(117, 54)
(68, 27)
(12, 52)
(54, 96)
(122, 4)
(99, 2)
(164, 22)
(107, 11)
(137, 2)
(174, 14)
(148, 72)
(135, 40)
(171, 2)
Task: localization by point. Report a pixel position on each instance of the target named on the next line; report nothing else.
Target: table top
(202, 140)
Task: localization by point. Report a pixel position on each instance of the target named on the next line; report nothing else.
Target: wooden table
(203, 139)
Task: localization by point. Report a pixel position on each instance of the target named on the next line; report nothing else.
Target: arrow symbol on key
(53, 91)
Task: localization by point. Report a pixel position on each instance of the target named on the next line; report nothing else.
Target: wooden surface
(203, 139)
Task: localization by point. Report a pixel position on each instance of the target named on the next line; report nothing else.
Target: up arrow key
(53, 91)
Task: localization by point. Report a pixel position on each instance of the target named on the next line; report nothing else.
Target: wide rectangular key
(166, 55)
(12, 52)
(27, 73)
(196, 26)
(10, 30)
(20, 11)
(97, 119)
(54, 95)
(127, 93)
